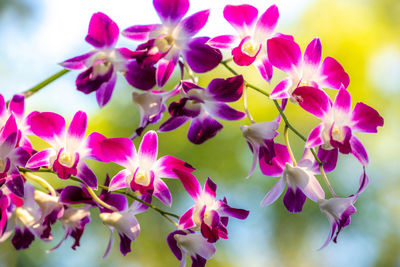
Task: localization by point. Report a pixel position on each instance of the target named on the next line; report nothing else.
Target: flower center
(164, 44)
(250, 48)
(337, 133)
(24, 216)
(67, 159)
(142, 178)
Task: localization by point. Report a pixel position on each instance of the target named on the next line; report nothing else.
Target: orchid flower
(250, 45)
(183, 242)
(101, 65)
(173, 38)
(143, 172)
(305, 70)
(339, 122)
(208, 215)
(260, 138)
(151, 106)
(299, 179)
(125, 223)
(68, 150)
(200, 105)
(11, 157)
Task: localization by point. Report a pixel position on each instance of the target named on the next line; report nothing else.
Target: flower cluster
(30, 213)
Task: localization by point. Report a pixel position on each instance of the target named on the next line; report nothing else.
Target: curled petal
(358, 150)
(173, 123)
(200, 56)
(79, 62)
(143, 78)
(226, 90)
(365, 119)
(203, 128)
(223, 111)
(103, 32)
(274, 193)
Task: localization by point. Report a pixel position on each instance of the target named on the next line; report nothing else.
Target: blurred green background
(363, 35)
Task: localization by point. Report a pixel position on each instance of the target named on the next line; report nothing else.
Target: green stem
(42, 84)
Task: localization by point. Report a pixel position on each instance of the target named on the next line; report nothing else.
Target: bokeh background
(364, 35)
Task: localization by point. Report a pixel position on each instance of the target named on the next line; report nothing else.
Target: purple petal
(93, 143)
(332, 74)
(200, 56)
(41, 159)
(79, 62)
(189, 182)
(89, 80)
(171, 11)
(274, 193)
(8, 144)
(87, 175)
(278, 162)
(328, 158)
(120, 180)
(235, 213)
(343, 101)
(222, 41)
(265, 68)
(203, 128)
(143, 78)
(22, 239)
(210, 188)
(282, 89)
(173, 123)
(344, 144)
(241, 17)
(312, 55)
(165, 165)
(139, 32)
(186, 220)
(104, 92)
(148, 149)
(315, 137)
(294, 200)
(358, 150)
(313, 100)
(223, 111)
(267, 22)
(226, 90)
(173, 244)
(15, 183)
(48, 126)
(162, 192)
(165, 68)
(103, 32)
(365, 119)
(17, 106)
(118, 201)
(284, 54)
(75, 195)
(191, 25)
(125, 244)
(364, 181)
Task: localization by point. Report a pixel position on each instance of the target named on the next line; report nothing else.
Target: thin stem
(323, 174)
(189, 72)
(98, 200)
(41, 181)
(42, 84)
(286, 134)
(245, 106)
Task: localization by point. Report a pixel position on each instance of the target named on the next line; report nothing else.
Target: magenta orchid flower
(339, 122)
(151, 106)
(299, 179)
(183, 242)
(173, 38)
(143, 172)
(201, 105)
(249, 47)
(101, 65)
(339, 210)
(260, 138)
(12, 156)
(305, 70)
(125, 223)
(208, 215)
(68, 150)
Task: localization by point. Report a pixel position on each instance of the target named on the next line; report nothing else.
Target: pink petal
(48, 126)
(148, 149)
(171, 11)
(343, 101)
(332, 74)
(312, 55)
(358, 150)
(165, 165)
(9, 128)
(162, 192)
(41, 159)
(210, 188)
(191, 25)
(365, 119)
(222, 41)
(3, 108)
(17, 106)
(274, 193)
(120, 180)
(284, 54)
(93, 145)
(79, 62)
(186, 220)
(267, 22)
(164, 70)
(103, 32)
(87, 175)
(282, 89)
(139, 32)
(241, 17)
(265, 68)
(77, 129)
(118, 150)
(278, 162)
(313, 100)
(189, 182)
(315, 137)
